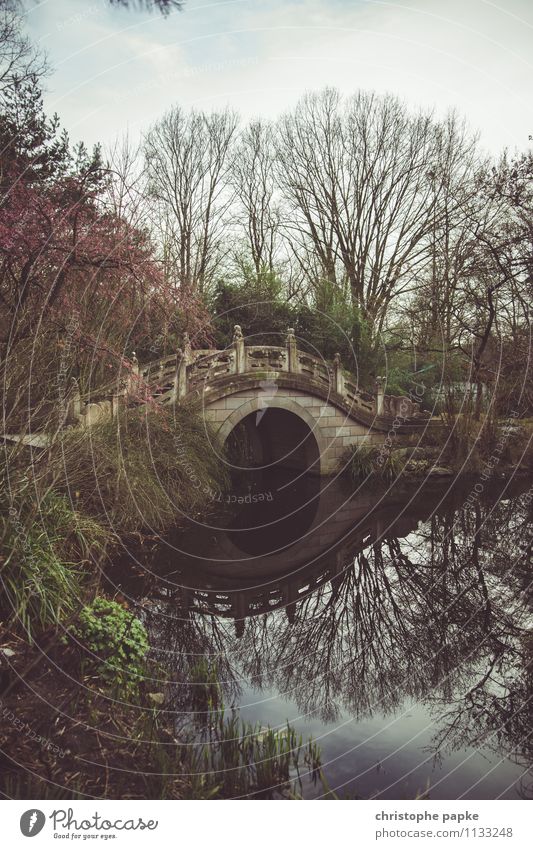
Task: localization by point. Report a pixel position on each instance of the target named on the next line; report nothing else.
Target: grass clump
(44, 544)
(145, 469)
(473, 441)
(367, 460)
(204, 687)
(240, 759)
(221, 756)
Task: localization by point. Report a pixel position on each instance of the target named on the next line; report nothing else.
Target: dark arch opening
(274, 437)
(276, 460)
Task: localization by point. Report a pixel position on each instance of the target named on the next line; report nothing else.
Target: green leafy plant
(115, 640)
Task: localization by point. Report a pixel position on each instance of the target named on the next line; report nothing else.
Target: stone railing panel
(402, 407)
(266, 358)
(359, 399)
(314, 368)
(208, 367)
(152, 371)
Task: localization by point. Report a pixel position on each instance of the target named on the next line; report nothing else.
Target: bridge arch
(316, 444)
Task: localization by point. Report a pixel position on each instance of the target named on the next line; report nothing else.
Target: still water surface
(390, 624)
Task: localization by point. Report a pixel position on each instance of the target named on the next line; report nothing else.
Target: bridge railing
(174, 377)
(194, 370)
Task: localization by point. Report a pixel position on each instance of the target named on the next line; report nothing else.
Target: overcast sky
(117, 70)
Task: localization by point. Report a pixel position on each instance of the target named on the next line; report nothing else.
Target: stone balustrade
(189, 372)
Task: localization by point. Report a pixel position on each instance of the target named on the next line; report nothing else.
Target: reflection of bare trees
(185, 640)
(439, 616)
(496, 711)
(386, 628)
(495, 707)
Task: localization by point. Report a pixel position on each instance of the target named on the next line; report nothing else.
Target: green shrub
(116, 641)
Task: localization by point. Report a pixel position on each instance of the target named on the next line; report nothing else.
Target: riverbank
(488, 450)
(66, 733)
(80, 696)
(64, 509)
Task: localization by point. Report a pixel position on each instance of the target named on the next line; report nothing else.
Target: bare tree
(360, 176)
(496, 299)
(21, 63)
(163, 6)
(455, 184)
(259, 215)
(126, 195)
(309, 163)
(437, 285)
(187, 162)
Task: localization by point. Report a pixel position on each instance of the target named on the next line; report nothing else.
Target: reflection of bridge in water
(224, 587)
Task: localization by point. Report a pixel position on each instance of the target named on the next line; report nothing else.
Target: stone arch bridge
(289, 406)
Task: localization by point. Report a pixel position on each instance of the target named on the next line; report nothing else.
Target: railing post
(74, 406)
(187, 348)
(339, 377)
(179, 388)
(292, 350)
(240, 351)
(133, 377)
(380, 395)
(118, 398)
(115, 400)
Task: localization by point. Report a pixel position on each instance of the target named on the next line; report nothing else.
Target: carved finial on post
(380, 395)
(339, 377)
(240, 351)
(179, 387)
(292, 350)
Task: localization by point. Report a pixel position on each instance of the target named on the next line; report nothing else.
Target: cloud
(118, 69)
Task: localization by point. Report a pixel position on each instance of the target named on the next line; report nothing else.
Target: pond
(391, 624)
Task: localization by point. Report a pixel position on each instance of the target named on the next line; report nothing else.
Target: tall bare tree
(259, 216)
(360, 176)
(437, 285)
(187, 161)
(495, 306)
(126, 185)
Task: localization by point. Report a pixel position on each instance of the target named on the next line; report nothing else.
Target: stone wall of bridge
(333, 430)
